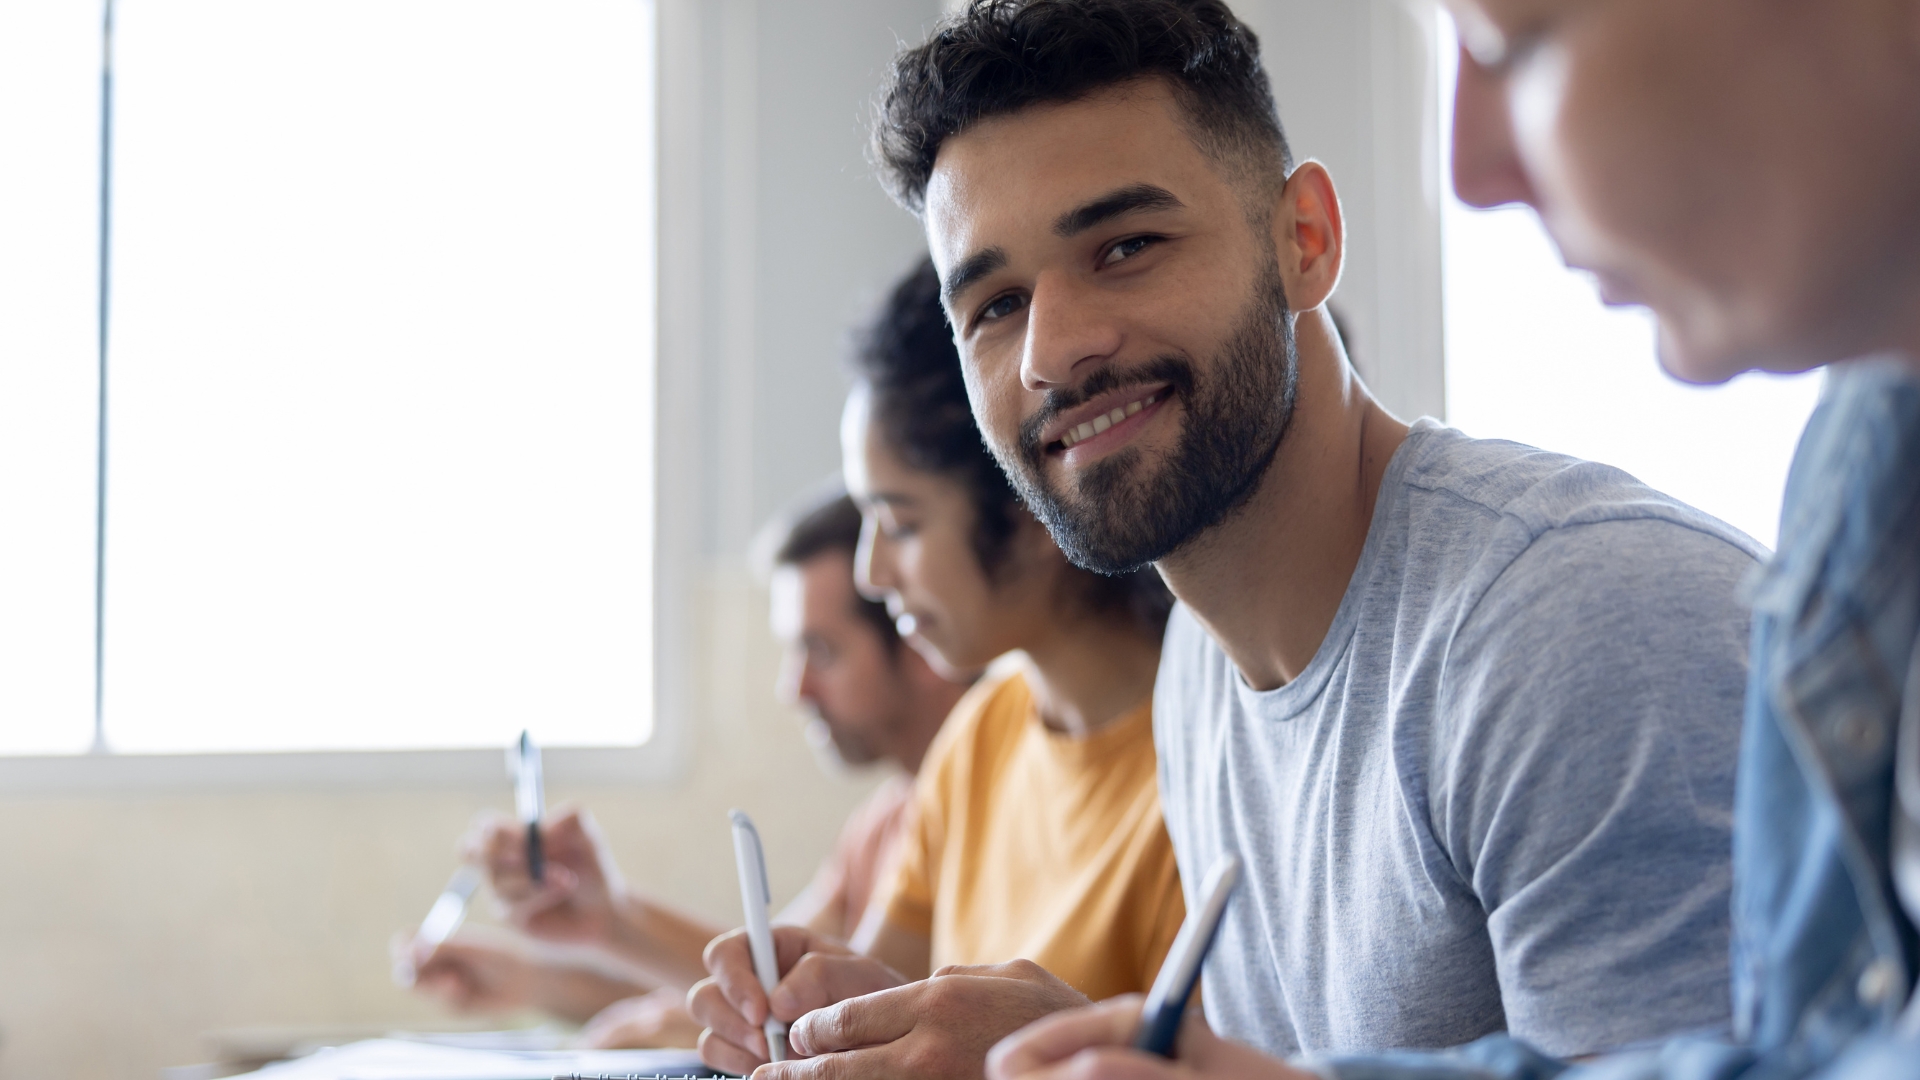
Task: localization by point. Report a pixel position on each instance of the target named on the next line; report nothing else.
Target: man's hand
(1096, 1043)
(576, 901)
(816, 971)
(658, 1019)
(468, 973)
(938, 1027)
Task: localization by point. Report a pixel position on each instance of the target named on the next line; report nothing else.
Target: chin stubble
(1124, 513)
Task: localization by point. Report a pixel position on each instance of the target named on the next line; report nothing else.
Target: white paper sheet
(398, 1059)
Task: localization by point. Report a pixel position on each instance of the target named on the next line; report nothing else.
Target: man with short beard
(1467, 710)
(1750, 171)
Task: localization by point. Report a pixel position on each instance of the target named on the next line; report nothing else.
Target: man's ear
(1309, 236)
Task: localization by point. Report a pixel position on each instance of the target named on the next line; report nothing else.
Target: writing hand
(934, 1028)
(651, 1020)
(576, 901)
(816, 971)
(466, 972)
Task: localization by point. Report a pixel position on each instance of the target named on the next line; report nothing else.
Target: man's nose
(807, 689)
(1486, 165)
(1067, 325)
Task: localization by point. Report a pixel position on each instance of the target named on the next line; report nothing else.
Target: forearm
(904, 951)
(663, 941)
(577, 994)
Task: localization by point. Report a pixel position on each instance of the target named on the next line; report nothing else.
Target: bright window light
(380, 414)
(1533, 356)
(49, 134)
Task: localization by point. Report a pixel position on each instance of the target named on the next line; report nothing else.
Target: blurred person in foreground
(1034, 872)
(1467, 710)
(608, 955)
(1749, 170)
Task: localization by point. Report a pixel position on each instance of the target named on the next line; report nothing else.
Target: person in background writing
(594, 949)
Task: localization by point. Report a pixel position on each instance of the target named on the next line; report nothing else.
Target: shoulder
(985, 716)
(1533, 533)
(1539, 491)
(879, 813)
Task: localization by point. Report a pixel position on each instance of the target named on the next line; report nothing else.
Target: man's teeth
(1101, 423)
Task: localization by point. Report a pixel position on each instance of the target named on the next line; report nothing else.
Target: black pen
(530, 798)
(1167, 1002)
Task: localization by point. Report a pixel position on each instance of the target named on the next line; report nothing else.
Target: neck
(930, 699)
(1089, 672)
(1267, 582)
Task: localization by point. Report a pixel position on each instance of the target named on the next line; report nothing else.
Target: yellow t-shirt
(1023, 843)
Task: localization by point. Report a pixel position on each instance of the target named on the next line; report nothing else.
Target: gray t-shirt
(1500, 796)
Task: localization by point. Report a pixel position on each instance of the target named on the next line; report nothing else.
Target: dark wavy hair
(907, 360)
(1000, 56)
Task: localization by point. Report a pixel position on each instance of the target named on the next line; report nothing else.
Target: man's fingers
(474, 844)
(1054, 1039)
(790, 943)
(856, 1022)
(1012, 969)
(729, 961)
(498, 846)
(720, 1054)
(711, 1009)
(854, 1065)
(821, 979)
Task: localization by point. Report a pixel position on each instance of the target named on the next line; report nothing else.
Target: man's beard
(1125, 514)
(844, 748)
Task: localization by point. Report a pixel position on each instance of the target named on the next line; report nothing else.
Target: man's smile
(1104, 424)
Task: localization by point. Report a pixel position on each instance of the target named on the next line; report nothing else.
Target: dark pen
(1167, 1002)
(530, 798)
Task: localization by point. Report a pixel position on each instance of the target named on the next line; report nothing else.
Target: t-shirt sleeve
(907, 892)
(1582, 778)
(822, 905)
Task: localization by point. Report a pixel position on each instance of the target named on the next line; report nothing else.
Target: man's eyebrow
(1126, 200)
(971, 269)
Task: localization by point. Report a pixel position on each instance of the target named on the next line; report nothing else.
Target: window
(1532, 355)
(379, 418)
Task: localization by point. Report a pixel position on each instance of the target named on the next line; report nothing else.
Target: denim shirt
(1824, 954)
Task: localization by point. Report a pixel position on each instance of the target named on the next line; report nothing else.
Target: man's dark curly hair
(909, 364)
(1000, 56)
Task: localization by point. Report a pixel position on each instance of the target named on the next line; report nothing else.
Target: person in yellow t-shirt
(1035, 872)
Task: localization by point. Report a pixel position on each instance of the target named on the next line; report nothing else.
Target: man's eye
(1001, 306)
(1127, 249)
(897, 530)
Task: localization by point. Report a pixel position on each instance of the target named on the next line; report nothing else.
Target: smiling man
(1467, 709)
(1750, 170)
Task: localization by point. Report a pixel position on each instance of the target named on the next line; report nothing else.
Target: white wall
(1355, 84)
(131, 922)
